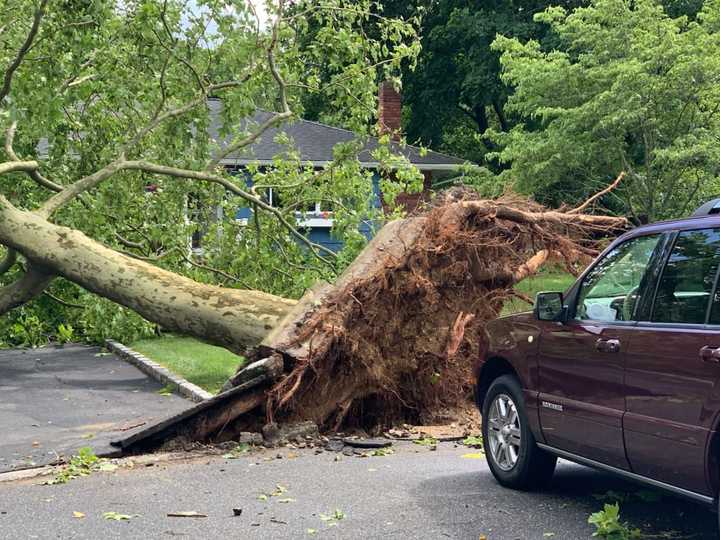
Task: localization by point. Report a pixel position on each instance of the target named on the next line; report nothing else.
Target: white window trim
(314, 222)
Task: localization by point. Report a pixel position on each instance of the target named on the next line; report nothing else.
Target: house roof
(315, 142)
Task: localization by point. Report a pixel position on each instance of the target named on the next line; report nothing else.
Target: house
(315, 141)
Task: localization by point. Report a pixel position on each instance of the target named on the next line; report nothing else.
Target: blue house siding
(324, 237)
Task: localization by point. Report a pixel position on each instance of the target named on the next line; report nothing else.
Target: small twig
(34, 173)
(63, 302)
(214, 271)
(522, 296)
(129, 243)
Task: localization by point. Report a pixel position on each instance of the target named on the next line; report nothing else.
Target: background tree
(627, 88)
(108, 169)
(456, 92)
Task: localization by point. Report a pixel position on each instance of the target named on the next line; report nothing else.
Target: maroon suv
(621, 373)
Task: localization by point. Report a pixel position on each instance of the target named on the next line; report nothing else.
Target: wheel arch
(492, 368)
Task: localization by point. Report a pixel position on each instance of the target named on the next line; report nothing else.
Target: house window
(317, 214)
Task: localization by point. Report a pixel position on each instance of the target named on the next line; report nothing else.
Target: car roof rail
(708, 209)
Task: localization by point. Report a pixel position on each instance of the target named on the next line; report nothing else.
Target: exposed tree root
(396, 337)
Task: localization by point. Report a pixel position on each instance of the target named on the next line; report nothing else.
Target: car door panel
(670, 410)
(671, 374)
(581, 361)
(582, 397)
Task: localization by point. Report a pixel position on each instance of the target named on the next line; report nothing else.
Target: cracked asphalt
(413, 493)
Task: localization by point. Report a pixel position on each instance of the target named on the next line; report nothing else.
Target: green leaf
(238, 451)
(426, 441)
(114, 516)
(473, 441)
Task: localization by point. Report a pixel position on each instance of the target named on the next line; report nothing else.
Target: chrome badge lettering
(553, 406)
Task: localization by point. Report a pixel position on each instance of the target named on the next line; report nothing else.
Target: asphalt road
(54, 401)
(414, 493)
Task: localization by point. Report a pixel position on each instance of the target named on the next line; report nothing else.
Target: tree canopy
(104, 108)
(627, 87)
(456, 91)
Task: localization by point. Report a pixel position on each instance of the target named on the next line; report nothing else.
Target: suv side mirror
(549, 306)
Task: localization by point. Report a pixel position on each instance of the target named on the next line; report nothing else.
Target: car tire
(514, 458)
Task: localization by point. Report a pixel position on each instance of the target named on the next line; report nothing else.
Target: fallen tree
(392, 339)
(231, 318)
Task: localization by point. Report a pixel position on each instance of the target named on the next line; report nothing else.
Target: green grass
(548, 280)
(205, 365)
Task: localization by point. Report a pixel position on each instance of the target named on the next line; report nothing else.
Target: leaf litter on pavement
(115, 516)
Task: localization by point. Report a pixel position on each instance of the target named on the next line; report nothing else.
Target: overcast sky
(259, 6)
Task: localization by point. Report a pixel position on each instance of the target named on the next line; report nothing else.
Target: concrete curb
(158, 372)
(127, 462)
(27, 474)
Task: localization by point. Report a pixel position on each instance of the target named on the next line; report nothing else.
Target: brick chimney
(389, 110)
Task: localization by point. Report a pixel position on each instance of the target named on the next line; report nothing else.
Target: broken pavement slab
(212, 415)
(367, 443)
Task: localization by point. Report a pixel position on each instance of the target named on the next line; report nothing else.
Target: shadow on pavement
(472, 504)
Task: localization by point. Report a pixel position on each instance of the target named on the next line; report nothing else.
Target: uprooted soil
(395, 340)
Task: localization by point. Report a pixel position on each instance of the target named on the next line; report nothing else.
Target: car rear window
(688, 278)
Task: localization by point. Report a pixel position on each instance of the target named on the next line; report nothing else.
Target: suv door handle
(710, 354)
(608, 345)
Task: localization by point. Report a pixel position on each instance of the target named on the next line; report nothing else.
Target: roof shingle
(315, 142)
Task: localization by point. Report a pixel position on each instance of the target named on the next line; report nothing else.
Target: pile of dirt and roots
(396, 338)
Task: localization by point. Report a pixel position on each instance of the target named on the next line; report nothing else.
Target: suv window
(687, 280)
(610, 291)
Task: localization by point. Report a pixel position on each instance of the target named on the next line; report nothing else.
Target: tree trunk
(230, 318)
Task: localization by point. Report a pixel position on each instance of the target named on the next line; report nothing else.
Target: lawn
(546, 280)
(202, 364)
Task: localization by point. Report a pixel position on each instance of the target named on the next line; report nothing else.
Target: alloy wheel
(504, 432)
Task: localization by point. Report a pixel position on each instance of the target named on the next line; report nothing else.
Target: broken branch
(599, 194)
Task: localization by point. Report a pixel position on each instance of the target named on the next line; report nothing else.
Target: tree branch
(230, 186)
(129, 243)
(74, 190)
(18, 166)
(273, 121)
(62, 302)
(8, 262)
(242, 143)
(10, 71)
(33, 282)
(71, 191)
(531, 266)
(599, 194)
(216, 271)
(34, 174)
(178, 111)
